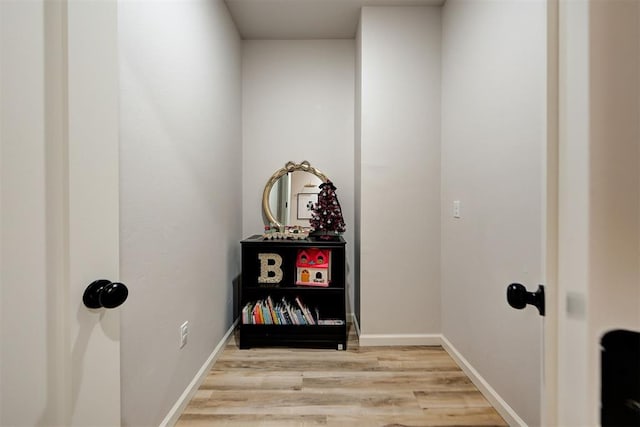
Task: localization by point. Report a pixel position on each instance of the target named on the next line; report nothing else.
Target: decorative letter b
(270, 271)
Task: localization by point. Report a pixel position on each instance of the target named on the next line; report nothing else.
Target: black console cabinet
(326, 303)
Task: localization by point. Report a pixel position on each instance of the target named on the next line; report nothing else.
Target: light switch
(576, 305)
(456, 208)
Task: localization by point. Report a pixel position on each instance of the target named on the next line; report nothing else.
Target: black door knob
(518, 297)
(104, 293)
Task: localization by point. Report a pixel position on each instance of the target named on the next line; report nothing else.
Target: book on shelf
(330, 322)
(266, 315)
(305, 312)
(247, 313)
(283, 312)
(272, 312)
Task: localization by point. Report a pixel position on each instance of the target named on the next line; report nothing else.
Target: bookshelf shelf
(274, 311)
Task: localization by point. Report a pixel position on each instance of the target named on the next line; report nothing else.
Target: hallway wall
(180, 194)
(398, 147)
(493, 148)
(614, 153)
(297, 104)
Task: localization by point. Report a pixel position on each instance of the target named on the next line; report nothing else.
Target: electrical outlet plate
(184, 331)
(456, 208)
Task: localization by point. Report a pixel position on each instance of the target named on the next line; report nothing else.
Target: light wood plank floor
(363, 386)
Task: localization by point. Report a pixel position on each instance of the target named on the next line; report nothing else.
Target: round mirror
(290, 194)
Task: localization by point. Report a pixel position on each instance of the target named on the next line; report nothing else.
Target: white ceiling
(305, 19)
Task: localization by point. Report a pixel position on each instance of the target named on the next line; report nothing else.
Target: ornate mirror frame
(305, 166)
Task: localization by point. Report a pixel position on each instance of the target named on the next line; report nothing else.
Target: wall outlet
(184, 331)
(456, 208)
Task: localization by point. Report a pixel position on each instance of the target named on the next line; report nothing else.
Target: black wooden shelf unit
(282, 303)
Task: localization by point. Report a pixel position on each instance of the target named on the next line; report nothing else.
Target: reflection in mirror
(290, 194)
(292, 198)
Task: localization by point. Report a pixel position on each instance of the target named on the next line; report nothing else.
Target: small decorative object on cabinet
(327, 220)
(312, 267)
(293, 293)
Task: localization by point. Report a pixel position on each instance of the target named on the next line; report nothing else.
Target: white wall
(399, 149)
(180, 194)
(614, 297)
(493, 148)
(298, 98)
(357, 180)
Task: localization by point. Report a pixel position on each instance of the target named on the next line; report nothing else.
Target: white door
(59, 361)
(599, 195)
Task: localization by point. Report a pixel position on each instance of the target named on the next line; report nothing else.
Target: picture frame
(306, 201)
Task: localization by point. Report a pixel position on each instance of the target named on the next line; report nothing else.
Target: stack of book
(283, 312)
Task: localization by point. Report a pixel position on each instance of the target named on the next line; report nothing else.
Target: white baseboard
(509, 415)
(369, 340)
(192, 388)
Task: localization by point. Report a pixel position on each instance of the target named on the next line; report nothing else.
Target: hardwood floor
(363, 386)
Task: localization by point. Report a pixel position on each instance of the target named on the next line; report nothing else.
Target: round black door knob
(104, 293)
(518, 297)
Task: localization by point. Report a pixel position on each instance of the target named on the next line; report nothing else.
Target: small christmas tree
(326, 218)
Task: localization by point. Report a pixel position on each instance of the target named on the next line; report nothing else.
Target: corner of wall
(183, 401)
(503, 408)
